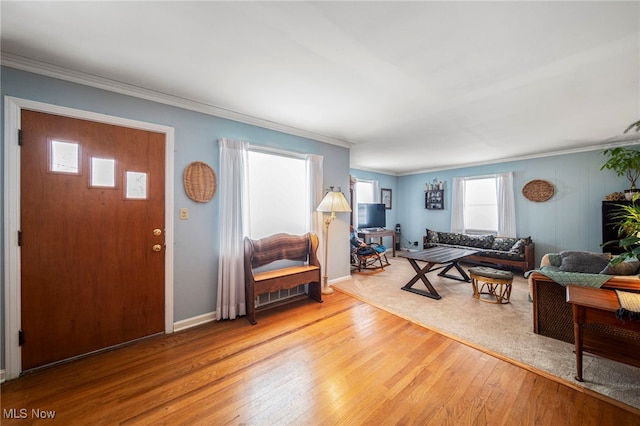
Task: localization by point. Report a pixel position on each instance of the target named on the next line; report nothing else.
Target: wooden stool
(495, 283)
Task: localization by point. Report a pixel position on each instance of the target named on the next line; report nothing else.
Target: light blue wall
(570, 220)
(196, 135)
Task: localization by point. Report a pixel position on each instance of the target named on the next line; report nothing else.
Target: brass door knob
(157, 247)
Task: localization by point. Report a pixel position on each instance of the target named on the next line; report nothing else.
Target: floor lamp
(334, 202)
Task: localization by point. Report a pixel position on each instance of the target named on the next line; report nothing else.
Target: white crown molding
(602, 145)
(54, 71)
(49, 70)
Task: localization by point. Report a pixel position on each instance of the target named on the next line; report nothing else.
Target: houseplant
(632, 125)
(625, 162)
(627, 220)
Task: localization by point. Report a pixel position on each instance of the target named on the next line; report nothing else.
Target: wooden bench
(262, 252)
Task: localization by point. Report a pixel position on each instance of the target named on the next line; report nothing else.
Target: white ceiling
(410, 86)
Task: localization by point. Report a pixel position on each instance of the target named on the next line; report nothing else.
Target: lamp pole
(332, 202)
(325, 286)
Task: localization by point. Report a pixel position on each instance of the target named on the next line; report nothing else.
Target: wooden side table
(369, 235)
(593, 305)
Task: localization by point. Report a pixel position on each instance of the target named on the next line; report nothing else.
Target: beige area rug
(505, 331)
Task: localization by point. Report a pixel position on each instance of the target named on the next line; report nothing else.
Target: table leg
(420, 275)
(463, 275)
(578, 321)
(393, 250)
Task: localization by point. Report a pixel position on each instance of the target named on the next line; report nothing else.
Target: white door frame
(12, 297)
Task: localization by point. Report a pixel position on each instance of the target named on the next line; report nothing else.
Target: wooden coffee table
(445, 256)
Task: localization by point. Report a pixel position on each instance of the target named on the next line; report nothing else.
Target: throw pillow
(432, 236)
(629, 267)
(480, 241)
(583, 261)
(517, 247)
(555, 259)
(448, 238)
(503, 243)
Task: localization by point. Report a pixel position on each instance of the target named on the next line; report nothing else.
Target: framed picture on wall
(385, 196)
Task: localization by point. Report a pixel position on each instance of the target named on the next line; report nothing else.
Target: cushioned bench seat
(284, 277)
(518, 253)
(267, 253)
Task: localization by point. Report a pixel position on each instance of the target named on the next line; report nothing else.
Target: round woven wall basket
(538, 190)
(200, 182)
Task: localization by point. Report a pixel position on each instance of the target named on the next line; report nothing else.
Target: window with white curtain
(484, 204)
(480, 206)
(277, 194)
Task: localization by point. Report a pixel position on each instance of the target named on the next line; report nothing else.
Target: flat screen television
(371, 215)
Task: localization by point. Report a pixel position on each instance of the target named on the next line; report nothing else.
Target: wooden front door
(92, 236)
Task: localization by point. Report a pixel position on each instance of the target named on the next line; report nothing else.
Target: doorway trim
(12, 279)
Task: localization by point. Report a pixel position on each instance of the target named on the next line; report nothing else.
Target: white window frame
(506, 213)
(492, 197)
(280, 196)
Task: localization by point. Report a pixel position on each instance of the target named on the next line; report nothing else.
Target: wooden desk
(368, 235)
(593, 305)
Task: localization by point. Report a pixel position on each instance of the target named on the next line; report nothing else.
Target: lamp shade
(334, 201)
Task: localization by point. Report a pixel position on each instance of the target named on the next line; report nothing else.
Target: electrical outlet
(184, 213)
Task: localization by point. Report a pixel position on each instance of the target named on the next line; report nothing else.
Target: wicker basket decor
(538, 190)
(200, 182)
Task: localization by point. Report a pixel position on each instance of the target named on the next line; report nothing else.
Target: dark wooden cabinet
(609, 227)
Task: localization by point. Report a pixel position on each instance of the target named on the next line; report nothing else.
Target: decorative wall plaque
(538, 190)
(200, 182)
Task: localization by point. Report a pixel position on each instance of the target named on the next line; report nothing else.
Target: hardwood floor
(340, 362)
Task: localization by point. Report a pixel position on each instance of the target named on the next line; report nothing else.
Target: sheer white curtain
(234, 226)
(354, 208)
(457, 205)
(315, 192)
(506, 205)
(376, 191)
(368, 192)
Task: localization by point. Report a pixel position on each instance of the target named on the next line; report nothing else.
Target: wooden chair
(367, 256)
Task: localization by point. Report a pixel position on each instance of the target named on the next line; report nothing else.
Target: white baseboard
(337, 280)
(211, 316)
(194, 321)
(2, 376)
